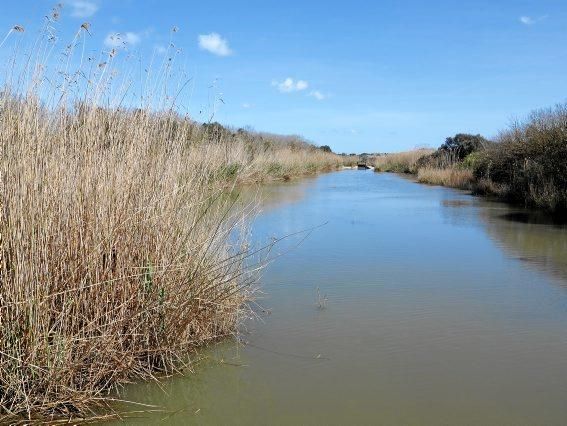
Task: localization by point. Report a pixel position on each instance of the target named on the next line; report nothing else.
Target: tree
(325, 148)
(463, 144)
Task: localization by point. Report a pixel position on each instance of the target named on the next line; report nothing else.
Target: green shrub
(471, 161)
(454, 152)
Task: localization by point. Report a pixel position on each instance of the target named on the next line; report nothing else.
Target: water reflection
(270, 196)
(534, 238)
(536, 218)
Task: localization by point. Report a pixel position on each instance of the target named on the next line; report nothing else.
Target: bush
(471, 161)
(462, 145)
(454, 151)
(530, 160)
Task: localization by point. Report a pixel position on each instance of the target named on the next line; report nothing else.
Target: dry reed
(401, 162)
(451, 176)
(120, 246)
(115, 255)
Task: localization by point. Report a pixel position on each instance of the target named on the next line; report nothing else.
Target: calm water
(443, 309)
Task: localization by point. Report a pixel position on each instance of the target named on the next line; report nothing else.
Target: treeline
(526, 163)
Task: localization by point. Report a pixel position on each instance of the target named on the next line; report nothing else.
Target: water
(441, 308)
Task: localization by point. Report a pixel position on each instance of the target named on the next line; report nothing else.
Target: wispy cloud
(115, 39)
(528, 20)
(214, 44)
(290, 85)
(318, 95)
(246, 105)
(83, 8)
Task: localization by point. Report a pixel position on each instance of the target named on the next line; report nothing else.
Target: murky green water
(443, 309)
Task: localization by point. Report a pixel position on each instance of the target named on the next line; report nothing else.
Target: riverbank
(525, 164)
(120, 251)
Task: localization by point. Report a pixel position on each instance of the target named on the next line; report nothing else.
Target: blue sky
(370, 76)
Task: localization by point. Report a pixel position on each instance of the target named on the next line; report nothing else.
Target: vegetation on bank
(122, 245)
(450, 176)
(528, 162)
(525, 164)
(400, 162)
(247, 156)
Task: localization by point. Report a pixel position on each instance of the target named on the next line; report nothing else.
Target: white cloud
(318, 95)
(290, 85)
(83, 8)
(215, 44)
(246, 105)
(528, 20)
(115, 40)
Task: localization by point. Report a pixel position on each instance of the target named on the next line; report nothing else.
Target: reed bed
(284, 164)
(116, 256)
(351, 161)
(401, 162)
(122, 241)
(451, 176)
(247, 157)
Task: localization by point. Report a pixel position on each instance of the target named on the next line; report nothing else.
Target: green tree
(463, 144)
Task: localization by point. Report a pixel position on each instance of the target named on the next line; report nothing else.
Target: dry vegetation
(351, 160)
(251, 157)
(122, 244)
(401, 162)
(115, 259)
(450, 176)
(528, 162)
(525, 164)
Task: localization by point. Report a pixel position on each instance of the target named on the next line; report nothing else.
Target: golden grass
(286, 163)
(122, 244)
(115, 255)
(453, 177)
(351, 160)
(401, 162)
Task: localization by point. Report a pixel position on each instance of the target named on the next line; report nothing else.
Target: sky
(359, 76)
